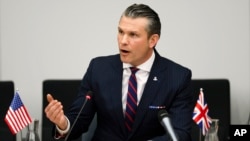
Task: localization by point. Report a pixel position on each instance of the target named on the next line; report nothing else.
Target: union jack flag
(200, 114)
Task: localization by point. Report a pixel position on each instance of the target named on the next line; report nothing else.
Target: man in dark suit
(157, 82)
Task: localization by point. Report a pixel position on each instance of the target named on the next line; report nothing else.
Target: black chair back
(217, 96)
(6, 96)
(62, 90)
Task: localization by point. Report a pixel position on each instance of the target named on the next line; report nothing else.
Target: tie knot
(134, 70)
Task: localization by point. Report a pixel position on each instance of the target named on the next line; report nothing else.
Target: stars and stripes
(17, 116)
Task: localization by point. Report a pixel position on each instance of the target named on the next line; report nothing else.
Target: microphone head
(89, 95)
(162, 113)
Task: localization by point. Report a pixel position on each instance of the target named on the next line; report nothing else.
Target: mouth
(124, 52)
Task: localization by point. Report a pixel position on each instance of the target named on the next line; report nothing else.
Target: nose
(123, 39)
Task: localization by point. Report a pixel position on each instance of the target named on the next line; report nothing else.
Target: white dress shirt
(141, 76)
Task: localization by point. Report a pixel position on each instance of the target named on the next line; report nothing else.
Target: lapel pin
(155, 78)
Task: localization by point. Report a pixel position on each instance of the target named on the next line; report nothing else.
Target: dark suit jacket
(104, 78)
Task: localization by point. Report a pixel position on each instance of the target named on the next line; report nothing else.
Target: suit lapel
(117, 94)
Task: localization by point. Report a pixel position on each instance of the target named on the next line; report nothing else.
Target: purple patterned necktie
(131, 105)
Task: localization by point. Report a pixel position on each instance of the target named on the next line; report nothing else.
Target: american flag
(200, 114)
(17, 116)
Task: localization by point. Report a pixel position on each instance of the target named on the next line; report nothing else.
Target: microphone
(164, 119)
(87, 98)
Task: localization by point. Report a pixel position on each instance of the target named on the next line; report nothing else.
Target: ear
(153, 40)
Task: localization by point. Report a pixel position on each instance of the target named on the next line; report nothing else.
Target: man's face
(134, 45)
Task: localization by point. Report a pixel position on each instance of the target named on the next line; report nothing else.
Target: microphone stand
(88, 97)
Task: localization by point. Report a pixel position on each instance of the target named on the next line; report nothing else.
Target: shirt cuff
(63, 132)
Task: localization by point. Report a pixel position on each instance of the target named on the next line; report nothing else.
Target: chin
(123, 59)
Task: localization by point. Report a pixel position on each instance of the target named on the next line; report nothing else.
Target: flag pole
(248, 122)
(201, 90)
(200, 135)
(17, 90)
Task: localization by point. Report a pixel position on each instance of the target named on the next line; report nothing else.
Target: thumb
(49, 97)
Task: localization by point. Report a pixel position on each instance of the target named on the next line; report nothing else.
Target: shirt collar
(146, 66)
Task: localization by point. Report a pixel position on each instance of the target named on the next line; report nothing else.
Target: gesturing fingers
(49, 98)
(54, 110)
